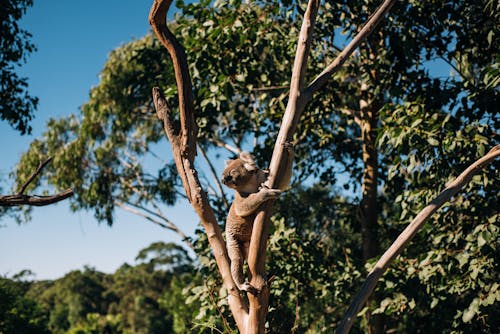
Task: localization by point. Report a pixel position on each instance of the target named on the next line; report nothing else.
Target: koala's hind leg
(238, 252)
(236, 256)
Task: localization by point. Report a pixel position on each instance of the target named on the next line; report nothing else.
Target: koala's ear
(247, 157)
(250, 167)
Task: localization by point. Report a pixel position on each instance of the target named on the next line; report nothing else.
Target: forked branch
(409, 232)
(298, 99)
(21, 199)
(249, 318)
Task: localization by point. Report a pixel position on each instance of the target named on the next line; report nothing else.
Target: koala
(243, 175)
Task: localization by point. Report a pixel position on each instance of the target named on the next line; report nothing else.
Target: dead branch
(409, 232)
(189, 130)
(34, 200)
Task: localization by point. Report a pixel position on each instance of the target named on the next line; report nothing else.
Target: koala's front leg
(248, 205)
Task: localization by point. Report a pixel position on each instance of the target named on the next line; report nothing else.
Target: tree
(16, 105)
(394, 131)
(133, 299)
(19, 313)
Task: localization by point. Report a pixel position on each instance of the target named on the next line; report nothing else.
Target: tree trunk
(368, 216)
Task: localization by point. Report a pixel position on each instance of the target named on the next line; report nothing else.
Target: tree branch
(35, 200)
(397, 247)
(158, 21)
(369, 26)
(281, 155)
(41, 166)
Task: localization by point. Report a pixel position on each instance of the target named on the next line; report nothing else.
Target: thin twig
(41, 166)
(397, 247)
(168, 225)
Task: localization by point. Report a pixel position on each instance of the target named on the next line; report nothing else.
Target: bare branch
(269, 88)
(167, 225)
(16, 200)
(369, 26)
(220, 143)
(41, 166)
(397, 247)
(34, 200)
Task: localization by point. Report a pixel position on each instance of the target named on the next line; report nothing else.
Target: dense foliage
(145, 298)
(16, 105)
(427, 125)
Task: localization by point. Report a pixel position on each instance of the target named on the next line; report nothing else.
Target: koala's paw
(247, 287)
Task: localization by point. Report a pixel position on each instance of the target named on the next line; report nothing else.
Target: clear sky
(73, 40)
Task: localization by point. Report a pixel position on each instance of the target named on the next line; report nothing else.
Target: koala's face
(238, 174)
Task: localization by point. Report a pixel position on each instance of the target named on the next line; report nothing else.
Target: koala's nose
(227, 179)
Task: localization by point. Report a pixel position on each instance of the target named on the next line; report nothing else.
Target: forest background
(427, 126)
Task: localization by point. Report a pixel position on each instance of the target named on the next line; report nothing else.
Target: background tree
(371, 149)
(16, 105)
(135, 299)
(19, 313)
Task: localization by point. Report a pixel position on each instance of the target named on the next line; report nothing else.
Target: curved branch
(397, 247)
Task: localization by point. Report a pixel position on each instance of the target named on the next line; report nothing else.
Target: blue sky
(73, 40)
